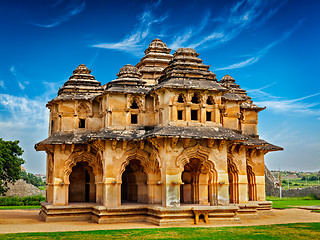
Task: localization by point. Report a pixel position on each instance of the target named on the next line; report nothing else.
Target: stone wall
(272, 188)
(23, 189)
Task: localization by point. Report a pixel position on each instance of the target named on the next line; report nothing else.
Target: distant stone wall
(23, 189)
(272, 188)
(301, 192)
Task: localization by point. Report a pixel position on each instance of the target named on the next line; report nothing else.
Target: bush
(23, 201)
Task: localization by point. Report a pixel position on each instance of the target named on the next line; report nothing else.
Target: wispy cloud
(240, 16)
(22, 80)
(73, 9)
(208, 32)
(288, 106)
(256, 57)
(134, 42)
(2, 84)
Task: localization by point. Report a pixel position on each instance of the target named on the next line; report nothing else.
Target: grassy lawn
(20, 207)
(283, 231)
(291, 202)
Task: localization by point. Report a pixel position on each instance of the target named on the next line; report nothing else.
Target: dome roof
(157, 46)
(128, 71)
(227, 78)
(186, 51)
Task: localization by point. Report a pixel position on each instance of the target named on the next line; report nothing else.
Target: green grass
(269, 232)
(20, 207)
(291, 202)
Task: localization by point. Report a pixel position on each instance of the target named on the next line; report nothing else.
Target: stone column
(223, 188)
(260, 187)
(171, 190)
(111, 192)
(60, 193)
(243, 189)
(154, 188)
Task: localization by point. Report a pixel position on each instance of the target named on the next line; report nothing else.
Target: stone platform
(156, 214)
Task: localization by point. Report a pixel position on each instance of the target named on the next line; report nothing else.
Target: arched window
(210, 101)
(181, 98)
(195, 98)
(134, 105)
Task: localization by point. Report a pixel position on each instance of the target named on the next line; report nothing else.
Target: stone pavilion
(165, 142)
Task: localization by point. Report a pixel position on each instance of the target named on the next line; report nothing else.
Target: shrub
(23, 201)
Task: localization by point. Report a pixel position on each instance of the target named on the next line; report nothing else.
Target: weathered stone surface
(165, 132)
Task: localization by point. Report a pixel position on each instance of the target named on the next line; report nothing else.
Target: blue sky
(271, 48)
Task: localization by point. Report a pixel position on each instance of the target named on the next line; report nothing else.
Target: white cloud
(2, 84)
(71, 10)
(21, 86)
(282, 105)
(227, 25)
(134, 42)
(26, 120)
(256, 57)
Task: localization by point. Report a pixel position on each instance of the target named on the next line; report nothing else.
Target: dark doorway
(134, 184)
(82, 187)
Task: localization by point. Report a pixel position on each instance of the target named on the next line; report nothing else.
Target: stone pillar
(260, 187)
(243, 189)
(154, 188)
(111, 192)
(171, 190)
(223, 188)
(60, 193)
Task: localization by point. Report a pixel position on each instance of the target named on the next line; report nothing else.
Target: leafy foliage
(32, 179)
(10, 163)
(21, 201)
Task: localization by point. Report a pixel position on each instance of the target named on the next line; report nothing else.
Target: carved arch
(93, 161)
(233, 174)
(208, 167)
(138, 99)
(252, 188)
(197, 151)
(83, 108)
(150, 163)
(181, 98)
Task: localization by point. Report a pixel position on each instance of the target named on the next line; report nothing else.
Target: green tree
(10, 163)
(32, 179)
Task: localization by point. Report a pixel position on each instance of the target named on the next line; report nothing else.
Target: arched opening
(134, 187)
(195, 188)
(252, 190)
(195, 98)
(181, 98)
(134, 105)
(233, 182)
(82, 184)
(210, 100)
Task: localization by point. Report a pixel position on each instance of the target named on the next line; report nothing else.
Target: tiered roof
(128, 81)
(157, 57)
(81, 85)
(183, 70)
(237, 94)
(187, 71)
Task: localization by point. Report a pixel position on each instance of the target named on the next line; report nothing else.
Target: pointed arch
(252, 188)
(205, 166)
(88, 157)
(233, 175)
(149, 163)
